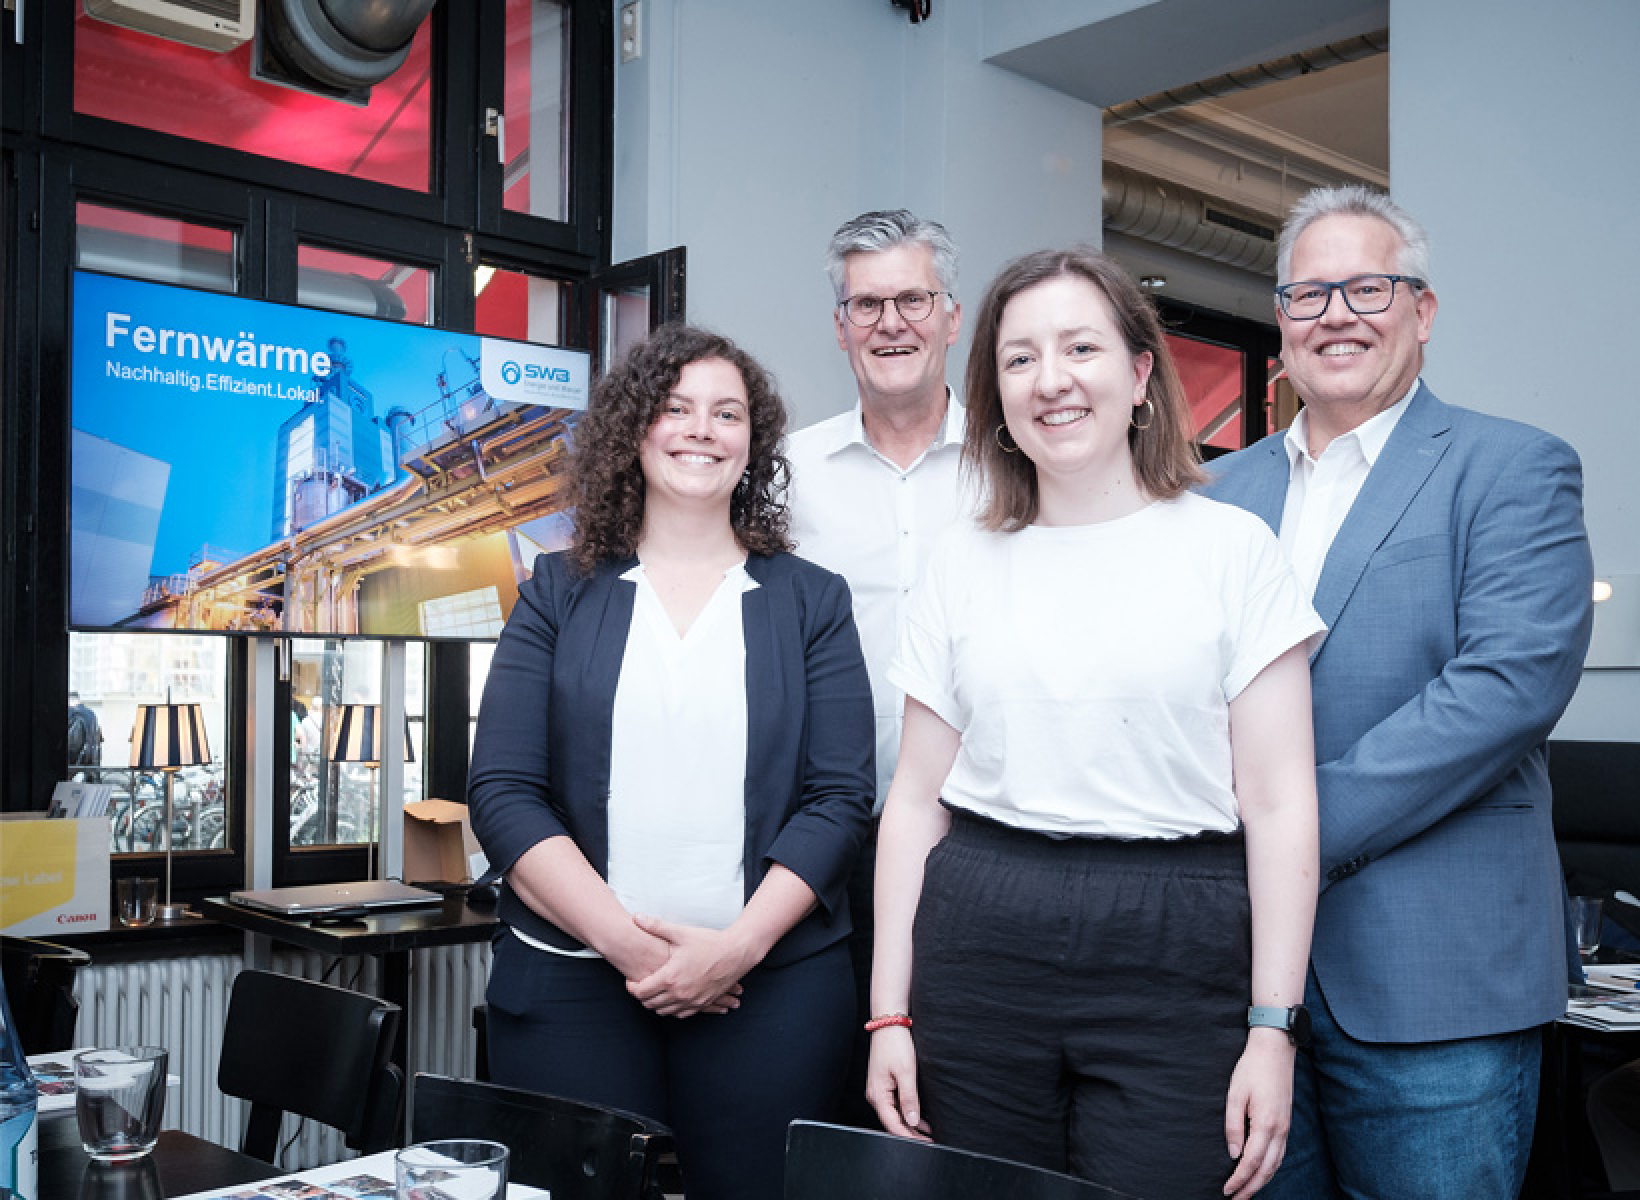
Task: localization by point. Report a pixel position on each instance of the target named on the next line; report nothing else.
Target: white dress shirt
(875, 523)
(1321, 491)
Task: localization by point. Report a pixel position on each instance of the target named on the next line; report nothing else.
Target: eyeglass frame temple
(1338, 285)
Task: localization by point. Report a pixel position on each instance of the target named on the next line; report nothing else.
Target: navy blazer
(541, 754)
(1457, 597)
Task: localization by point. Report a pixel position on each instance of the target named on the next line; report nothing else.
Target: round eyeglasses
(913, 305)
(1364, 294)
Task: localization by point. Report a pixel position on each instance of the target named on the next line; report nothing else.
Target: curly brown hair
(1165, 458)
(607, 481)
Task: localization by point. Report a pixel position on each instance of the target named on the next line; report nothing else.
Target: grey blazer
(1457, 600)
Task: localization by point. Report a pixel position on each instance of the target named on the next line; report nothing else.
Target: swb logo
(511, 372)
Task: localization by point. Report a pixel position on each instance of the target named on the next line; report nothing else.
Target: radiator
(181, 1003)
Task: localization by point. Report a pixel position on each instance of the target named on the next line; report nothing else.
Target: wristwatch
(1294, 1021)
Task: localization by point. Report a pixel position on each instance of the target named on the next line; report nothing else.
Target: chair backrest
(832, 1162)
(39, 981)
(294, 1045)
(578, 1151)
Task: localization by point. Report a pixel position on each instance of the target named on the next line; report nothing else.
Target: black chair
(39, 981)
(833, 1162)
(294, 1045)
(579, 1151)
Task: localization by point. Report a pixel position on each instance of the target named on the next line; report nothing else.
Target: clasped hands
(680, 970)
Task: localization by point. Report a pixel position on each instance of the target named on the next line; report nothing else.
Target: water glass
(1586, 915)
(120, 1099)
(136, 900)
(463, 1169)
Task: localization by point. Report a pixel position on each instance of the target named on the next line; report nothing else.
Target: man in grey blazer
(1447, 554)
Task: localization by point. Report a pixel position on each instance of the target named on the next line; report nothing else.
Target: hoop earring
(1147, 424)
(997, 435)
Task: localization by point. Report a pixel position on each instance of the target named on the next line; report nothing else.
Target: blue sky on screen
(221, 443)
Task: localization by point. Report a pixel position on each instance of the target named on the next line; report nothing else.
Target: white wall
(1512, 137)
(749, 131)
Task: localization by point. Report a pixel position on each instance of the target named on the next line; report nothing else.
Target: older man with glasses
(874, 487)
(1446, 552)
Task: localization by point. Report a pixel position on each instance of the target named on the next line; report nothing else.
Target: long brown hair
(1165, 459)
(607, 480)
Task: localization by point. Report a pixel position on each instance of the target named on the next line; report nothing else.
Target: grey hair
(874, 232)
(1354, 200)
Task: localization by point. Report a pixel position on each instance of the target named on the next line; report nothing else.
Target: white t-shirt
(1090, 669)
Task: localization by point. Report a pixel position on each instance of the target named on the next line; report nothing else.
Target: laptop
(318, 899)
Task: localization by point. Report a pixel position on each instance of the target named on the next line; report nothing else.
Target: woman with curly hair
(673, 770)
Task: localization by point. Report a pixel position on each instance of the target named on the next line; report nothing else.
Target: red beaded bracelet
(903, 1020)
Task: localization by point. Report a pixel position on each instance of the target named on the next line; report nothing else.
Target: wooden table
(179, 1165)
(390, 935)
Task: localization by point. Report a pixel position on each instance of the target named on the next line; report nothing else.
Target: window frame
(51, 157)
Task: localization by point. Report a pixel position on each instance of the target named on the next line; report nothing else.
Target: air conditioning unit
(213, 24)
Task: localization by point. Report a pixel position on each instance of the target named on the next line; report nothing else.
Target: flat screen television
(246, 467)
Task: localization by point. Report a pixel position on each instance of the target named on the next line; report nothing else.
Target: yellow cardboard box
(53, 874)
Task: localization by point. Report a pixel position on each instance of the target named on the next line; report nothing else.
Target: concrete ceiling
(1256, 149)
(1344, 109)
(1108, 51)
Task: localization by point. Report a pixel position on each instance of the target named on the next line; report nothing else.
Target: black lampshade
(357, 736)
(167, 737)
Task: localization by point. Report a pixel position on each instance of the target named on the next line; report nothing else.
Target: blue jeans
(1388, 1121)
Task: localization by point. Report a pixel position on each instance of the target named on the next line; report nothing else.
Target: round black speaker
(345, 44)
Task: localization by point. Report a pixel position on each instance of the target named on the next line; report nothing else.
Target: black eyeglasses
(1365, 295)
(866, 311)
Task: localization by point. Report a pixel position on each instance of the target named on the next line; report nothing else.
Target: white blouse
(677, 764)
(677, 780)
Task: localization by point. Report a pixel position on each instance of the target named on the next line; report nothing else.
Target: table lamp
(357, 738)
(168, 737)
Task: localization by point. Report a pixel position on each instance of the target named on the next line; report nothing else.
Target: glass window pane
(535, 174)
(109, 675)
(479, 655)
(1280, 400)
(1211, 375)
(366, 287)
(118, 241)
(333, 802)
(209, 96)
(526, 308)
(626, 320)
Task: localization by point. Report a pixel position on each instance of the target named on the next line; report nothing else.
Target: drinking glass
(464, 1169)
(137, 900)
(1586, 913)
(119, 1099)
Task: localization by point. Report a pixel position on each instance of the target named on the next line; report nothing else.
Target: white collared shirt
(875, 523)
(1321, 491)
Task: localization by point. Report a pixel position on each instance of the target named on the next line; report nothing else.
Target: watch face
(1298, 1025)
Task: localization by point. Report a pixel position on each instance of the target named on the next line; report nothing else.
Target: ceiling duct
(1167, 214)
(1304, 62)
(336, 48)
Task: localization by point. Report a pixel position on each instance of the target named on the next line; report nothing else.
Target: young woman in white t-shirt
(1098, 853)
